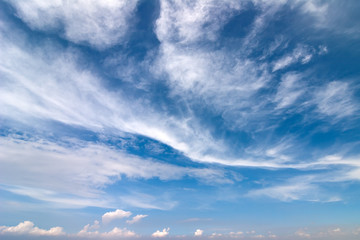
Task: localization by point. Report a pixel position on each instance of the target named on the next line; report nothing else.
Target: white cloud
(349, 174)
(117, 214)
(136, 219)
(300, 53)
(88, 227)
(293, 191)
(326, 15)
(302, 233)
(258, 236)
(117, 232)
(114, 233)
(216, 235)
(307, 187)
(74, 170)
(222, 79)
(198, 232)
(284, 193)
(236, 234)
(289, 90)
(28, 228)
(271, 235)
(99, 23)
(187, 22)
(335, 99)
(161, 234)
(43, 84)
(82, 170)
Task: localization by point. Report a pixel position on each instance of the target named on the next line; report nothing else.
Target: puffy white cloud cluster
(198, 232)
(28, 228)
(117, 214)
(160, 234)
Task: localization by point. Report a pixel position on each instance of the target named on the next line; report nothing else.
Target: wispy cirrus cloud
(335, 99)
(87, 169)
(100, 24)
(300, 54)
(289, 90)
(249, 97)
(136, 218)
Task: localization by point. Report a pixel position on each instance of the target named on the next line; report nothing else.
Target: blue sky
(179, 119)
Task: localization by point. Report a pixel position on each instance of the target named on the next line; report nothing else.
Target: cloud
(335, 99)
(74, 171)
(161, 234)
(300, 54)
(350, 173)
(285, 192)
(308, 187)
(302, 233)
(28, 228)
(117, 232)
(117, 214)
(187, 22)
(198, 232)
(236, 234)
(325, 15)
(88, 227)
(216, 235)
(114, 233)
(101, 24)
(44, 84)
(136, 219)
(48, 83)
(289, 90)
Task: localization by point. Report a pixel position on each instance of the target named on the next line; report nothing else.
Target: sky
(169, 119)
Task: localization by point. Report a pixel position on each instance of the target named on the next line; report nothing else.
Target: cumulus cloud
(238, 234)
(117, 214)
(99, 23)
(114, 233)
(136, 219)
(216, 235)
(198, 232)
(86, 229)
(28, 228)
(117, 232)
(302, 233)
(161, 234)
